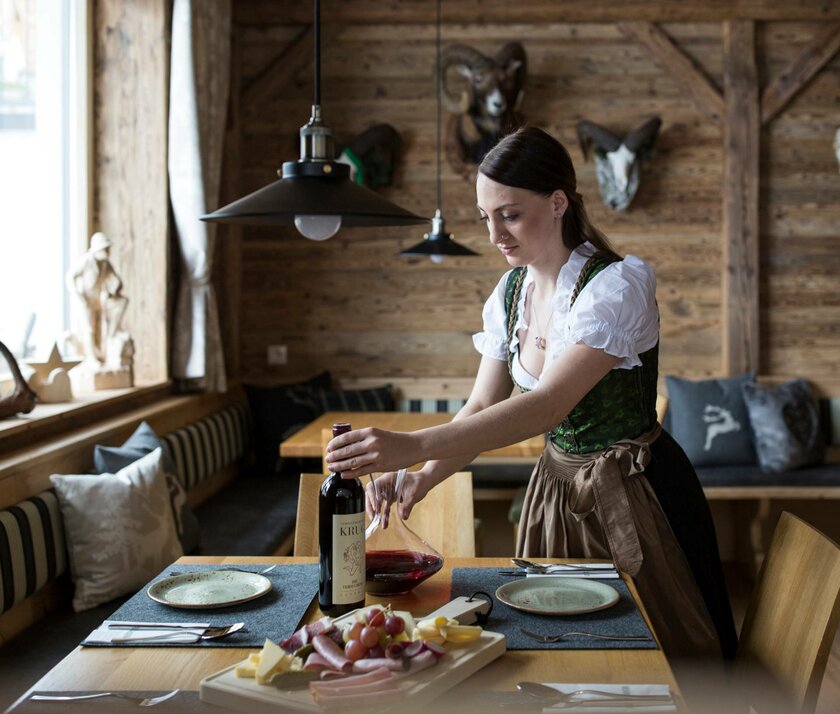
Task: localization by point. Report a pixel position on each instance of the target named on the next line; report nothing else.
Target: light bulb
(437, 259)
(317, 227)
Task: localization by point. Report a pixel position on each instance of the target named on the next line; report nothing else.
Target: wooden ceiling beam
(793, 78)
(260, 12)
(681, 67)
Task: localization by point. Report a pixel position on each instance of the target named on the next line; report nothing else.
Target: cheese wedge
(271, 661)
(246, 668)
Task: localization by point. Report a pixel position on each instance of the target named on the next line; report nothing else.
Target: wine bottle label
(348, 557)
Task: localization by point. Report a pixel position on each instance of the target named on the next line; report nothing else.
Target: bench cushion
(32, 547)
(208, 445)
(753, 476)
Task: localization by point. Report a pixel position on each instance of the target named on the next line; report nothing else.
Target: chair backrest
(444, 517)
(791, 620)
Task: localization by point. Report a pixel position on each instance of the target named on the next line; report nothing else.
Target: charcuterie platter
(428, 658)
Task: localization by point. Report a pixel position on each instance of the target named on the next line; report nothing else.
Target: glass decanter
(396, 559)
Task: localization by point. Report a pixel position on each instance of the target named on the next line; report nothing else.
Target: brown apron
(600, 505)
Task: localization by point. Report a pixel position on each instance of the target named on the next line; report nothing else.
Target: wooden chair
(444, 518)
(790, 621)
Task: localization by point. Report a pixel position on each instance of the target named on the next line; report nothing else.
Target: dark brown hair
(531, 159)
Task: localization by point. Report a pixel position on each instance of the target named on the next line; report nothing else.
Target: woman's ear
(561, 203)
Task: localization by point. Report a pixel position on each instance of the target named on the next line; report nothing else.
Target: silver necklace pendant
(539, 342)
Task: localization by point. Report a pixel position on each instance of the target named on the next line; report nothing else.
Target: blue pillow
(110, 459)
(786, 424)
(709, 419)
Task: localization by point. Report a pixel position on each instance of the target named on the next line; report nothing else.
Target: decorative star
(54, 361)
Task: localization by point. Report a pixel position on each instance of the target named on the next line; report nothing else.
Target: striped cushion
(208, 445)
(32, 547)
(431, 406)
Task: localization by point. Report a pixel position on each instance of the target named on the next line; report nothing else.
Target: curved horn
(464, 56)
(22, 399)
(514, 61)
(643, 137)
(589, 132)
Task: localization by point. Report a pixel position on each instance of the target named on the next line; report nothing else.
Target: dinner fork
(264, 571)
(140, 701)
(549, 639)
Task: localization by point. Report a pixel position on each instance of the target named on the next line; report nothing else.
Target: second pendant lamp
(438, 243)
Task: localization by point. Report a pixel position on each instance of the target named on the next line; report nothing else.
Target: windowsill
(46, 420)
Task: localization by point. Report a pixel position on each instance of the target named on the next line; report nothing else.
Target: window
(44, 113)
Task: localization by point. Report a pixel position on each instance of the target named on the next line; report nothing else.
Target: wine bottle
(341, 542)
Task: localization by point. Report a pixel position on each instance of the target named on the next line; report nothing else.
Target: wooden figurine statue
(108, 348)
(50, 379)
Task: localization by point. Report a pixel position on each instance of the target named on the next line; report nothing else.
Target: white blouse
(616, 313)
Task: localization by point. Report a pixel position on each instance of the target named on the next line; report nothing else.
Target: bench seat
(750, 476)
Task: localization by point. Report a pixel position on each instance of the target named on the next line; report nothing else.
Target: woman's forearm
(438, 470)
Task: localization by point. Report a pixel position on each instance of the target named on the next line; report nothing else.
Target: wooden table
(307, 442)
(145, 668)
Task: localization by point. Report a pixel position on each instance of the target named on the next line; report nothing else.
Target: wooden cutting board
(225, 689)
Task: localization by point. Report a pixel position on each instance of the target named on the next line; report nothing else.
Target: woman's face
(521, 223)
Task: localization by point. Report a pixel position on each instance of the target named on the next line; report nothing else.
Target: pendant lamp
(315, 193)
(437, 244)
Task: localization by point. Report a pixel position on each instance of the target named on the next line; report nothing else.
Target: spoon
(209, 633)
(545, 693)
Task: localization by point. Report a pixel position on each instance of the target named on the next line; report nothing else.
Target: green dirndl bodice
(621, 406)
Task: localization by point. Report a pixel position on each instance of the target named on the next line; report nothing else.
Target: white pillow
(119, 527)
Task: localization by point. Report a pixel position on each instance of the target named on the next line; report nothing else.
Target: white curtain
(198, 100)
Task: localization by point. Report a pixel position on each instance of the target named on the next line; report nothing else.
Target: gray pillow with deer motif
(709, 419)
(786, 423)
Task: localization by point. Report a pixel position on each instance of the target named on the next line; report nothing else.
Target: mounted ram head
(617, 160)
(487, 107)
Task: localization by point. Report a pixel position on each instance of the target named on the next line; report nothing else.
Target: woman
(576, 329)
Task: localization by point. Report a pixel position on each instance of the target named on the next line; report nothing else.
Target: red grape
(394, 650)
(355, 650)
(369, 636)
(394, 624)
(376, 618)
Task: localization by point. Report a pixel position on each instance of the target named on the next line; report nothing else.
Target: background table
(307, 442)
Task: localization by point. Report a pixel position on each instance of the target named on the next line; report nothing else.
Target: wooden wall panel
(353, 306)
(131, 200)
(800, 216)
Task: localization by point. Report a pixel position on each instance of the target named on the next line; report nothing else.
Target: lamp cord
(437, 95)
(317, 38)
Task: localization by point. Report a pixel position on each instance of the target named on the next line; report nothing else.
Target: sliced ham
(315, 663)
(375, 676)
(331, 652)
(371, 664)
(305, 634)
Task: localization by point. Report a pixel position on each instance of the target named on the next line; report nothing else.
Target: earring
(557, 216)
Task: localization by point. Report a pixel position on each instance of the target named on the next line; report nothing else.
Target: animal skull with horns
(616, 159)
(487, 107)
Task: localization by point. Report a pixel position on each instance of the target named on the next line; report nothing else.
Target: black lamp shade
(437, 244)
(334, 195)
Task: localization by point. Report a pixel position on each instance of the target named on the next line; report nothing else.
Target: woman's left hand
(372, 450)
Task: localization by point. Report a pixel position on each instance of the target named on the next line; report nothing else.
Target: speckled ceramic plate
(557, 596)
(210, 588)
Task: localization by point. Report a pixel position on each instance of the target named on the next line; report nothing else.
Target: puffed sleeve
(492, 340)
(617, 312)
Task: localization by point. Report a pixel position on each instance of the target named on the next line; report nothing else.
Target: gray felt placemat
(623, 618)
(273, 616)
